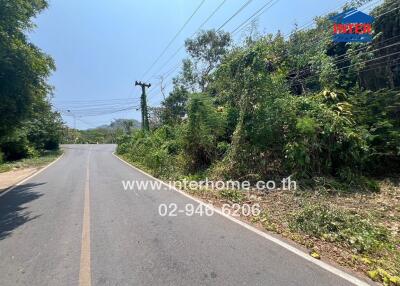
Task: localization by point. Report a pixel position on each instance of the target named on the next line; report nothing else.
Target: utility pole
(143, 105)
(74, 117)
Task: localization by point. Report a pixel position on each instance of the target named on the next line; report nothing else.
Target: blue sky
(101, 47)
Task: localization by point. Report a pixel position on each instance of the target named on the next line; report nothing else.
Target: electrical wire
(197, 30)
(320, 39)
(174, 38)
(235, 14)
(226, 22)
(258, 13)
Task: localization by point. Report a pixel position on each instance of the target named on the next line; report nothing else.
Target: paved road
(73, 224)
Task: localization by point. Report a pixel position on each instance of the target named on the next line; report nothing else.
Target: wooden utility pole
(143, 105)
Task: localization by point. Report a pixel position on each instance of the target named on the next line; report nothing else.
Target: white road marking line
(281, 243)
(31, 176)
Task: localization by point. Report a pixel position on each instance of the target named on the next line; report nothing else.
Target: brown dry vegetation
(381, 210)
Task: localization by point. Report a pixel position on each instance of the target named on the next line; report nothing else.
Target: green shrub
(222, 148)
(323, 140)
(201, 133)
(332, 224)
(378, 112)
(307, 126)
(278, 133)
(156, 151)
(32, 152)
(16, 146)
(235, 196)
(123, 144)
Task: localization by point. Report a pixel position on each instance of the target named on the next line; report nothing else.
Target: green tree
(174, 106)
(24, 68)
(44, 127)
(206, 51)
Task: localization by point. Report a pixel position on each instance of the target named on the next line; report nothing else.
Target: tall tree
(174, 106)
(24, 68)
(206, 51)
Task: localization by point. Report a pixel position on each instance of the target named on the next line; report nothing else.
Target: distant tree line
(105, 134)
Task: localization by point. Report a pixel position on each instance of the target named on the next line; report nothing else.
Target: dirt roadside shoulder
(11, 178)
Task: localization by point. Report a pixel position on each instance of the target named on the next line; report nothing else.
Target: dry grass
(382, 209)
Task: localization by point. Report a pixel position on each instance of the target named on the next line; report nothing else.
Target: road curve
(74, 224)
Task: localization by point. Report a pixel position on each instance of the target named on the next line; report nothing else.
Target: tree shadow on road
(13, 213)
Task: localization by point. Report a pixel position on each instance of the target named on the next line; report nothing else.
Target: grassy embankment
(40, 161)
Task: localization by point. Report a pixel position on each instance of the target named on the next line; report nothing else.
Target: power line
(256, 14)
(368, 5)
(337, 59)
(349, 66)
(366, 61)
(374, 59)
(165, 75)
(312, 21)
(226, 22)
(235, 14)
(266, 7)
(346, 55)
(374, 66)
(379, 65)
(107, 113)
(174, 38)
(97, 100)
(329, 36)
(197, 30)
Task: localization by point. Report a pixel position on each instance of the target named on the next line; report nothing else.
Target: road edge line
(346, 276)
(9, 189)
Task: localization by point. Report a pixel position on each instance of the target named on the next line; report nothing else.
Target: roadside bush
(123, 142)
(154, 150)
(279, 134)
(16, 146)
(319, 139)
(200, 134)
(379, 113)
(235, 196)
(41, 132)
(332, 224)
(302, 136)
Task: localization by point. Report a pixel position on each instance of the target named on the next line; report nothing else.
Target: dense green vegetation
(275, 106)
(28, 126)
(326, 113)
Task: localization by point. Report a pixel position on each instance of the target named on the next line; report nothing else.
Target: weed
(335, 225)
(234, 196)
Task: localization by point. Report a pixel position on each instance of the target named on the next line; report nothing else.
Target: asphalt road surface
(74, 224)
